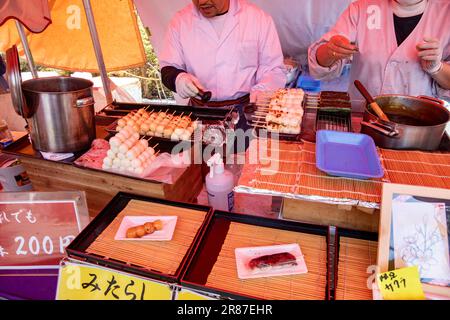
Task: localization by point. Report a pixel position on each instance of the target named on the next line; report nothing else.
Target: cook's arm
(332, 68)
(443, 76)
(171, 58)
(271, 73)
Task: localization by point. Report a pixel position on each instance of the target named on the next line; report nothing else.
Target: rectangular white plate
(244, 255)
(166, 234)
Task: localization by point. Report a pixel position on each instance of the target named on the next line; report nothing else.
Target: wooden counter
(101, 187)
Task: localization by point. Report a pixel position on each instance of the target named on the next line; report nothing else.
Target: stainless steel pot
(61, 113)
(415, 122)
(59, 110)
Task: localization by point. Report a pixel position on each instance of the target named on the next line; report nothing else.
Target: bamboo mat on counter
(297, 174)
(355, 256)
(161, 256)
(295, 287)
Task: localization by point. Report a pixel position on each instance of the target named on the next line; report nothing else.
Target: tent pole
(98, 50)
(26, 48)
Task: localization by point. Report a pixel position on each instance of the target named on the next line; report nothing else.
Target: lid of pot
(15, 82)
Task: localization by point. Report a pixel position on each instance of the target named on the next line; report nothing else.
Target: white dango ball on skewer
(114, 142)
(123, 148)
(149, 152)
(144, 143)
(111, 154)
(179, 131)
(139, 170)
(115, 150)
(136, 163)
(185, 136)
(174, 137)
(125, 163)
(121, 156)
(108, 161)
(190, 130)
(116, 162)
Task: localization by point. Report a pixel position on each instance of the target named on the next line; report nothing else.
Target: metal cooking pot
(62, 113)
(59, 110)
(415, 122)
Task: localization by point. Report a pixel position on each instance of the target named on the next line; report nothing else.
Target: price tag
(35, 230)
(83, 282)
(401, 284)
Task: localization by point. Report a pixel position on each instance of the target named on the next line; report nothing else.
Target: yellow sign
(82, 282)
(401, 284)
(191, 295)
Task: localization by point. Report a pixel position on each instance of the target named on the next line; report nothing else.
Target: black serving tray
(208, 249)
(209, 116)
(335, 235)
(118, 110)
(77, 248)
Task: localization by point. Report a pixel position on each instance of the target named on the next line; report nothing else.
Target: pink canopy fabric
(33, 14)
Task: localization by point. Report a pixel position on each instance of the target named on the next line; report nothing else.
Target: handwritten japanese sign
(401, 284)
(82, 282)
(36, 233)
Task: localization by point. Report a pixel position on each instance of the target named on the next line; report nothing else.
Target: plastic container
(350, 155)
(219, 185)
(6, 137)
(308, 83)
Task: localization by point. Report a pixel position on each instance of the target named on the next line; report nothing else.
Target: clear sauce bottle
(5, 135)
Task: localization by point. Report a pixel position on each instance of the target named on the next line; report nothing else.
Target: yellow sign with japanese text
(401, 284)
(83, 282)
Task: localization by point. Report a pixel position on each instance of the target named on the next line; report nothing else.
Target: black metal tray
(208, 249)
(207, 115)
(334, 240)
(77, 248)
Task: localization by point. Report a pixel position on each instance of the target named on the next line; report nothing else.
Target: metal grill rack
(333, 121)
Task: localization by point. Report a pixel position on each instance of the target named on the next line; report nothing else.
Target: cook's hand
(339, 47)
(430, 53)
(187, 85)
(257, 96)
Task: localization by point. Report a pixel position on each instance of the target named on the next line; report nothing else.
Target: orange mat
(290, 168)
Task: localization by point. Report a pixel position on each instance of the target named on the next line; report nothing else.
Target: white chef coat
(247, 56)
(381, 65)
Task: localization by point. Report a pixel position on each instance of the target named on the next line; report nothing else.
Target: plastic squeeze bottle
(219, 185)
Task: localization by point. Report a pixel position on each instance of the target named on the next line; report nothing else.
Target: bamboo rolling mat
(355, 256)
(310, 286)
(290, 169)
(161, 256)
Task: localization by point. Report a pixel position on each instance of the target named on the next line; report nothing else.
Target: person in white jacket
(228, 47)
(395, 47)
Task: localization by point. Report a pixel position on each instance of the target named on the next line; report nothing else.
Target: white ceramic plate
(165, 234)
(245, 255)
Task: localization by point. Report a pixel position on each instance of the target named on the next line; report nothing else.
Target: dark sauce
(407, 120)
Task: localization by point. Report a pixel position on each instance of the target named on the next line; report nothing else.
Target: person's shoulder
(442, 4)
(253, 10)
(183, 15)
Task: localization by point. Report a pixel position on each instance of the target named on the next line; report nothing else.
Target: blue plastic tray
(350, 155)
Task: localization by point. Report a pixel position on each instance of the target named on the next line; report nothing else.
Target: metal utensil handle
(85, 102)
(371, 100)
(432, 99)
(379, 127)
